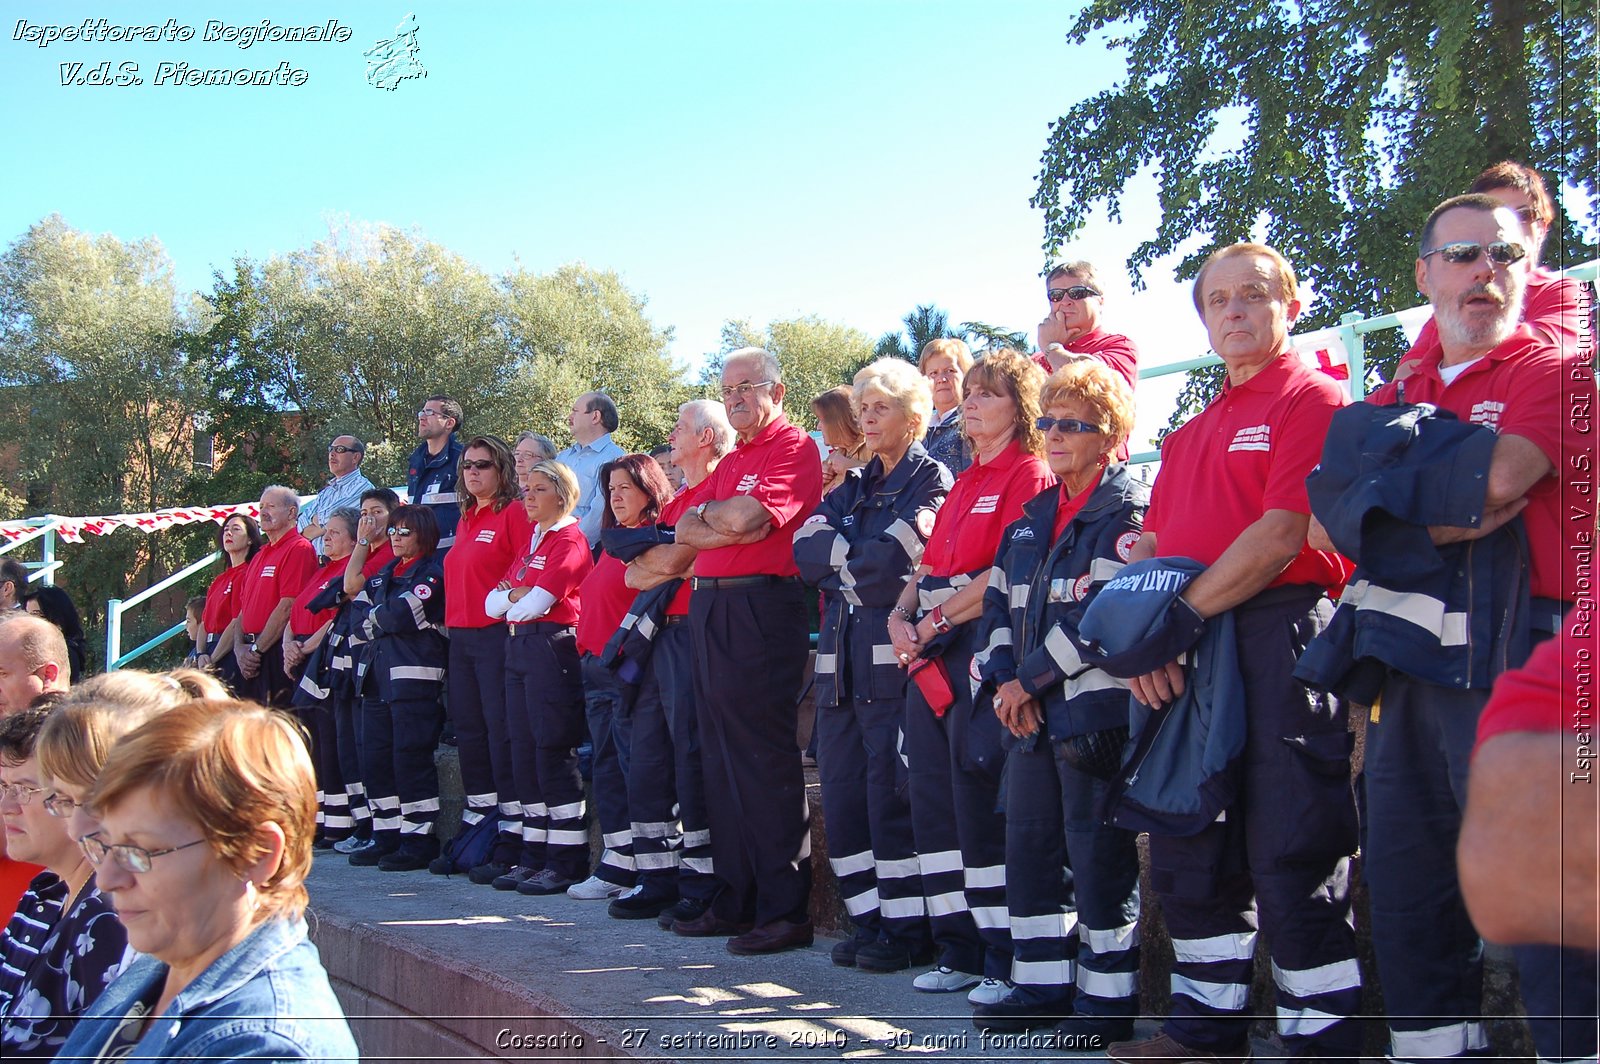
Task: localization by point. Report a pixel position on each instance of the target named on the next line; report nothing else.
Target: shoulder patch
(925, 518)
(422, 591)
(1125, 544)
(1080, 587)
(972, 668)
(817, 519)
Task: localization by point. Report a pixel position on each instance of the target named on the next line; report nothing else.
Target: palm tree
(985, 337)
(926, 322)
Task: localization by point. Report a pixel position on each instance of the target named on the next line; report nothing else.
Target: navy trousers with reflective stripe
(671, 671)
(1282, 851)
(477, 683)
(546, 726)
(347, 735)
(750, 647)
(1072, 886)
(397, 759)
(866, 803)
(609, 734)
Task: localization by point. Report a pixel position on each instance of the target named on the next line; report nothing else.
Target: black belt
(538, 628)
(724, 583)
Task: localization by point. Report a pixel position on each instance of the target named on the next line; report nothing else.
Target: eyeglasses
(480, 464)
(128, 857)
(403, 533)
(1076, 293)
(1065, 424)
(339, 448)
(743, 391)
(426, 413)
(1461, 252)
(59, 805)
(18, 793)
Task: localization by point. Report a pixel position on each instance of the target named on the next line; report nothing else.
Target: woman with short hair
(860, 549)
(945, 364)
(538, 598)
(530, 449)
(206, 817)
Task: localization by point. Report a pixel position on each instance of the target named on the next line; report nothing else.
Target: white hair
(702, 414)
(770, 370)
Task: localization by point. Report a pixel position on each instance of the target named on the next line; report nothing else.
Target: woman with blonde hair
(206, 818)
(945, 363)
(847, 447)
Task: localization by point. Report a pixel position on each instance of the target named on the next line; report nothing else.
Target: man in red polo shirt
(1231, 494)
(748, 617)
(1076, 301)
(1536, 390)
(277, 574)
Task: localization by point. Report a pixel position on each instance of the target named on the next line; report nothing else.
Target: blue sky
(729, 160)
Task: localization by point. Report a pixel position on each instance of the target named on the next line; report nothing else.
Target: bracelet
(938, 619)
(903, 613)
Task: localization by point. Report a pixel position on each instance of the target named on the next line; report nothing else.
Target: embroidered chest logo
(1487, 413)
(1252, 438)
(537, 563)
(747, 483)
(486, 536)
(986, 504)
(1125, 544)
(268, 572)
(1022, 533)
(422, 591)
(1080, 587)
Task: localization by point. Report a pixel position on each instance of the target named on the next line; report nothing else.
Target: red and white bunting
(73, 529)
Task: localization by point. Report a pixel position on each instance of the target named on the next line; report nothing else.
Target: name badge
(1061, 590)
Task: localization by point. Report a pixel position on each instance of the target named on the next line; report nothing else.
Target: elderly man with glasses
(346, 483)
(431, 474)
(1072, 328)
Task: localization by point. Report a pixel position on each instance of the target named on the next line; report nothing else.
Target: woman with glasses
(531, 448)
(955, 750)
(239, 538)
(635, 490)
(491, 530)
(1066, 724)
(945, 364)
(860, 548)
(206, 816)
(401, 676)
(544, 692)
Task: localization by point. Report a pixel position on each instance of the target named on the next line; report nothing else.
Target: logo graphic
(268, 572)
(486, 536)
(1252, 438)
(1022, 533)
(1125, 544)
(986, 504)
(1487, 413)
(747, 483)
(537, 563)
(925, 523)
(422, 591)
(392, 61)
(1080, 587)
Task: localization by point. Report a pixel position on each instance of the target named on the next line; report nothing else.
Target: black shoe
(687, 909)
(442, 865)
(373, 854)
(411, 857)
(1094, 1032)
(545, 881)
(844, 953)
(1013, 1013)
(512, 877)
(639, 904)
(322, 842)
(488, 872)
(892, 956)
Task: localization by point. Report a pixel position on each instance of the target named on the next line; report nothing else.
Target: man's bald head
(33, 660)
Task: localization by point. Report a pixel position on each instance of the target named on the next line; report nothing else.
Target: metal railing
(44, 533)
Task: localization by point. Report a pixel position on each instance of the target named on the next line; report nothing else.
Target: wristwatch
(700, 511)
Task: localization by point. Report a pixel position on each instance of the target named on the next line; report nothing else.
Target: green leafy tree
(1328, 127)
(985, 337)
(815, 355)
(926, 322)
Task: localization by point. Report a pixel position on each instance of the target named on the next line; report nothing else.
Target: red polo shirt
(606, 597)
(278, 571)
(486, 541)
(222, 599)
(1115, 350)
(779, 469)
(1247, 452)
(675, 508)
(982, 502)
(1552, 302)
(377, 558)
(1528, 387)
(1541, 696)
(558, 563)
(301, 620)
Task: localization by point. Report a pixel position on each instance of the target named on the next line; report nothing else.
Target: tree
(1328, 127)
(815, 355)
(926, 322)
(984, 337)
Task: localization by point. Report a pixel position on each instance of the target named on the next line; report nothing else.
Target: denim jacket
(268, 997)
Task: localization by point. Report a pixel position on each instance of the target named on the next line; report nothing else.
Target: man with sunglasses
(346, 483)
(1076, 299)
(431, 475)
(1490, 367)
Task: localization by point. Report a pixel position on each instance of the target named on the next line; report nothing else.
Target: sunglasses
(340, 448)
(1065, 424)
(1076, 293)
(1461, 252)
(480, 464)
(403, 533)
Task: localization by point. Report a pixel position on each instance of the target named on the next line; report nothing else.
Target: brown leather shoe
(773, 937)
(1163, 1047)
(707, 925)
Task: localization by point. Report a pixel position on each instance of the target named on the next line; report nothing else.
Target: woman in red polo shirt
(239, 538)
(491, 531)
(636, 489)
(955, 750)
(544, 694)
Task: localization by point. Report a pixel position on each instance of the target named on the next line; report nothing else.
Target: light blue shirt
(585, 461)
(341, 491)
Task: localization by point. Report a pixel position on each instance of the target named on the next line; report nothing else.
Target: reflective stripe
(536, 809)
(647, 627)
(624, 861)
(696, 838)
(901, 908)
(1113, 941)
(1018, 598)
(1091, 680)
(1108, 984)
(991, 916)
(988, 876)
(510, 827)
(900, 869)
(427, 805)
(478, 801)
(417, 614)
(908, 539)
(1450, 1040)
(1042, 973)
(1240, 947)
(410, 827)
(386, 823)
(653, 862)
(470, 817)
(883, 654)
(852, 863)
(564, 812)
(1413, 607)
(335, 820)
(654, 829)
(1304, 1022)
(947, 904)
(509, 808)
(616, 838)
(1061, 650)
(865, 902)
(532, 834)
(702, 865)
(310, 687)
(943, 861)
(1340, 975)
(1228, 997)
(827, 663)
(1050, 925)
(1000, 637)
(567, 838)
(415, 672)
(1102, 569)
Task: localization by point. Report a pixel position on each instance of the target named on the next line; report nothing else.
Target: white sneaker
(944, 980)
(594, 889)
(347, 845)
(990, 991)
